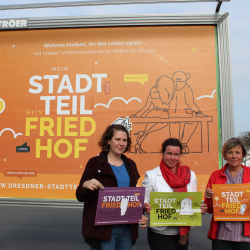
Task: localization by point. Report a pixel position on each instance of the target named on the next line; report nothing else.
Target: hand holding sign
(147, 208)
(209, 193)
(92, 185)
(143, 222)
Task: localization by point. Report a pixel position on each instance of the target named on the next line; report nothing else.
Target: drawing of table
(203, 122)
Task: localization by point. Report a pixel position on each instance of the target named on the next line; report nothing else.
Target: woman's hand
(209, 193)
(92, 185)
(143, 221)
(147, 208)
(203, 208)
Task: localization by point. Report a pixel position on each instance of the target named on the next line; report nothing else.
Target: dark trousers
(230, 245)
(165, 242)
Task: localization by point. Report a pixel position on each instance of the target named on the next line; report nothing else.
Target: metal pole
(96, 3)
(218, 7)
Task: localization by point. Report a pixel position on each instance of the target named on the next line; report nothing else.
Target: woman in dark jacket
(109, 169)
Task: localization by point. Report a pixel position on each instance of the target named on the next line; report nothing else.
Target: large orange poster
(60, 88)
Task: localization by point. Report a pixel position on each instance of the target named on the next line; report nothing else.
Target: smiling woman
(229, 234)
(110, 169)
(170, 176)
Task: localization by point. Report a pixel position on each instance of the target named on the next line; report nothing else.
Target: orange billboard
(60, 89)
(231, 202)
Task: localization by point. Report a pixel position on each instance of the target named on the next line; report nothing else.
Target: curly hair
(108, 135)
(171, 142)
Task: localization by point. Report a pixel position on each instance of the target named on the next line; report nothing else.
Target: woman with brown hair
(111, 168)
(170, 176)
(229, 235)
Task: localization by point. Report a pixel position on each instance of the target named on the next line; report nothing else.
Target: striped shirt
(232, 230)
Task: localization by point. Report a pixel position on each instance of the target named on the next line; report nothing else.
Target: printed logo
(23, 149)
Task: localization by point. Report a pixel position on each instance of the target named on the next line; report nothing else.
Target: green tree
(245, 137)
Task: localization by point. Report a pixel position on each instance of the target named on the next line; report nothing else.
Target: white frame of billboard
(102, 2)
(221, 21)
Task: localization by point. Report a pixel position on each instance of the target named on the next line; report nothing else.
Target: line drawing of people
(158, 99)
(175, 98)
(184, 98)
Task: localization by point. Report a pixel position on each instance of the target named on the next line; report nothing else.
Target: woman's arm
(87, 183)
(193, 183)
(209, 197)
(148, 188)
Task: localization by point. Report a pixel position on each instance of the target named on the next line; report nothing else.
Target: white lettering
(24, 23)
(36, 84)
(68, 85)
(82, 107)
(51, 81)
(78, 83)
(99, 80)
(47, 100)
(60, 105)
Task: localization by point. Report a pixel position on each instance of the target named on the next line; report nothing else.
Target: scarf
(179, 183)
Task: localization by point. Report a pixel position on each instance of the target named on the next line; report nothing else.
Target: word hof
(68, 126)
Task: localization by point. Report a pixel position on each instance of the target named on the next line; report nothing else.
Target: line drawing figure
(117, 98)
(171, 104)
(125, 122)
(9, 129)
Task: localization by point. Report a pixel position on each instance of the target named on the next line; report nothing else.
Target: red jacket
(219, 177)
(99, 168)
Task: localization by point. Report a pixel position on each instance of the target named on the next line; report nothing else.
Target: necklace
(115, 163)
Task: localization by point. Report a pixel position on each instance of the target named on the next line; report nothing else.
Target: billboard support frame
(98, 3)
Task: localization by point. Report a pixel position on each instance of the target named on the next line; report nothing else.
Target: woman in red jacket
(109, 169)
(229, 235)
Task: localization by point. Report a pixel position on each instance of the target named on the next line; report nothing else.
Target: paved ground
(41, 228)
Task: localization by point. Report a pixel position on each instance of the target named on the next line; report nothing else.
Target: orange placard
(60, 89)
(231, 202)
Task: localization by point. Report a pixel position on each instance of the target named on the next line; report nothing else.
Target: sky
(239, 19)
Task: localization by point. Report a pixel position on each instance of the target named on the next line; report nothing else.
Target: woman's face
(118, 143)
(234, 157)
(171, 156)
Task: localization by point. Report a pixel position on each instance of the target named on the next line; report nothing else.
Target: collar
(103, 166)
(159, 171)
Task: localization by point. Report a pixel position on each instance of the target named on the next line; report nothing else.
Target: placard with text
(119, 205)
(175, 209)
(231, 202)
